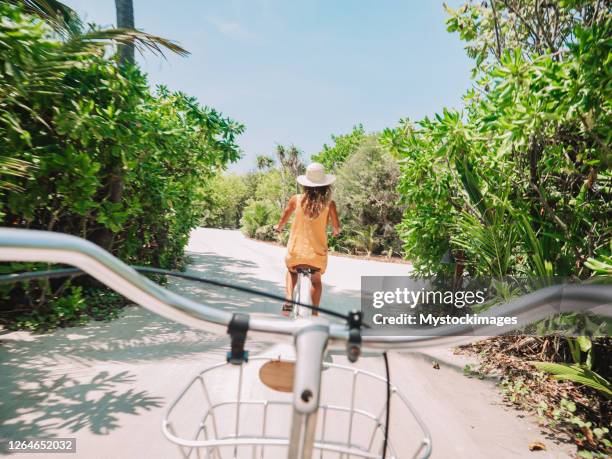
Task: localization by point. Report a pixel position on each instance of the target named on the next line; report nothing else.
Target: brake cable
(64, 272)
(388, 402)
(237, 354)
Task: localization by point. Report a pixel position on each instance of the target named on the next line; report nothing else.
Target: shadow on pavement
(48, 386)
(244, 273)
(33, 405)
(46, 380)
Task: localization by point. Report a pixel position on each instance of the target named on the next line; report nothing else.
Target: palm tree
(14, 167)
(264, 162)
(365, 239)
(64, 19)
(77, 41)
(67, 24)
(291, 166)
(125, 20)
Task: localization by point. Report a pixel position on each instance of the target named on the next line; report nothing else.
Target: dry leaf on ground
(537, 446)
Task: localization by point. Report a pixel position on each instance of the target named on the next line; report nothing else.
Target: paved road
(107, 383)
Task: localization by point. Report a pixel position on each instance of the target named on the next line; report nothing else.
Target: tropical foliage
(519, 182)
(71, 121)
(578, 374)
(332, 156)
(532, 144)
(258, 219)
(226, 197)
(365, 192)
(369, 204)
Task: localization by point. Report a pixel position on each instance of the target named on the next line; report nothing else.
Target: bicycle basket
(226, 412)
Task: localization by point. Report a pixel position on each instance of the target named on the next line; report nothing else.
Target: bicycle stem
(310, 344)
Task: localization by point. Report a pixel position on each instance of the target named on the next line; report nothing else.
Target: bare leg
(290, 281)
(316, 290)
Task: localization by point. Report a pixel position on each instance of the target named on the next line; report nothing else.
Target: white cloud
(231, 29)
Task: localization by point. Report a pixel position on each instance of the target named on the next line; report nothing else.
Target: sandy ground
(107, 384)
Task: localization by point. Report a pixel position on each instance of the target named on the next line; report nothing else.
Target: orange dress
(308, 239)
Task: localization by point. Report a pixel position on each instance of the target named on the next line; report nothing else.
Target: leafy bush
(59, 305)
(226, 196)
(332, 157)
(265, 233)
(259, 215)
(363, 240)
(107, 156)
(64, 308)
(531, 146)
(519, 181)
(268, 191)
(367, 199)
(270, 188)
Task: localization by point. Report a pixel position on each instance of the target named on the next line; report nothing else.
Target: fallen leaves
(537, 446)
(527, 389)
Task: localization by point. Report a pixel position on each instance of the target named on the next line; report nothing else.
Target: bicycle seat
(305, 269)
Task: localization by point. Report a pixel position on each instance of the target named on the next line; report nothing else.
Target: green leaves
(368, 203)
(530, 145)
(259, 216)
(489, 244)
(577, 374)
(333, 156)
(74, 120)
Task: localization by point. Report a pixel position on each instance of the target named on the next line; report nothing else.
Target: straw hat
(316, 176)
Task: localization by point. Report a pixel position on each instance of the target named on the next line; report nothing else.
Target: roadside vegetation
(365, 192)
(518, 184)
(88, 148)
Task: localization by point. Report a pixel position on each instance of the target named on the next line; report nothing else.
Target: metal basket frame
(212, 442)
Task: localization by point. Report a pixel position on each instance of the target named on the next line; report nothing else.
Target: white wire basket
(227, 412)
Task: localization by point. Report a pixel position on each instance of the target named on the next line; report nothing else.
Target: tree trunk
(125, 20)
(104, 237)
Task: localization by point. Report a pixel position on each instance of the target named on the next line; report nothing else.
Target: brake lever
(353, 343)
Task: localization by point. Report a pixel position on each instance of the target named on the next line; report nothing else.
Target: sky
(296, 72)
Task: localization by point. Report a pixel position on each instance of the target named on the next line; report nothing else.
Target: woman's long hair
(315, 199)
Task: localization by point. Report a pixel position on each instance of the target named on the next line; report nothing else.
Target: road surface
(106, 384)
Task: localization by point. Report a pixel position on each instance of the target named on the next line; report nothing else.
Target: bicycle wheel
(303, 296)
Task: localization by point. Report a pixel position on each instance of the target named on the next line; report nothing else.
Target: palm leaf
(491, 242)
(61, 17)
(601, 266)
(469, 180)
(12, 167)
(577, 374)
(65, 21)
(541, 266)
(142, 40)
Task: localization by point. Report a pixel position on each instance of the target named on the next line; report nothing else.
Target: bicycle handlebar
(48, 247)
(42, 246)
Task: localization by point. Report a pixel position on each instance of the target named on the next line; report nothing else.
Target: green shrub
(531, 146)
(265, 233)
(332, 157)
(66, 307)
(226, 196)
(257, 215)
(270, 188)
(367, 200)
(107, 155)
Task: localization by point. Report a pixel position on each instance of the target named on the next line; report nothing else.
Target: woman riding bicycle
(307, 247)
